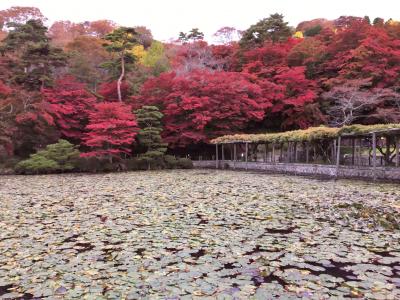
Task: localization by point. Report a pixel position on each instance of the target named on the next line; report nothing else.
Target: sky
(166, 18)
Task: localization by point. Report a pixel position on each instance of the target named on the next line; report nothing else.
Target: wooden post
(397, 151)
(288, 153)
(307, 153)
(273, 153)
(295, 152)
(334, 152)
(281, 153)
(247, 152)
(265, 152)
(216, 156)
(315, 154)
(223, 156)
(353, 144)
(234, 155)
(387, 153)
(374, 154)
(338, 156)
(360, 151)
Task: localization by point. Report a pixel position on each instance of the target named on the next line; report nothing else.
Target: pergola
(328, 141)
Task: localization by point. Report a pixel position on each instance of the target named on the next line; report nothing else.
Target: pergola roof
(310, 134)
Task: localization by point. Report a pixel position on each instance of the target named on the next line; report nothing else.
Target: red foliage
(202, 104)
(376, 56)
(109, 91)
(287, 88)
(4, 90)
(111, 130)
(70, 104)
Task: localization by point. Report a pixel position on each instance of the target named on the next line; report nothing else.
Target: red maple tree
(111, 130)
(202, 104)
(70, 104)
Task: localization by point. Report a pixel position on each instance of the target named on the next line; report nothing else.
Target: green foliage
(119, 42)
(149, 120)
(193, 35)
(185, 163)
(34, 59)
(364, 129)
(312, 31)
(273, 28)
(61, 156)
(156, 59)
(64, 153)
(170, 162)
(37, 163)
(305, 135)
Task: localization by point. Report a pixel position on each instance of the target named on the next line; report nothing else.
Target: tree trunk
(121, 77)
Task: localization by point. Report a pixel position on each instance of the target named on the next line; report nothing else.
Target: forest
(99, 91)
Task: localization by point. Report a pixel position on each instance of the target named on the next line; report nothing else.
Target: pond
(197, 233)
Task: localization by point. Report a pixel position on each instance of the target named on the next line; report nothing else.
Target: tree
(227, 35)
(109, 90)
(149, 120)
(192, 36)
(20, 15)
(111, 130)
(352, 101)
(6, 130)
(193, 56)
(121, 40)
(86, 54)
(32, 58)
(291, 94)
(70, 104)
(273, 28)
(61, 156)
(202, 105)
(144, 36)
(156, 59)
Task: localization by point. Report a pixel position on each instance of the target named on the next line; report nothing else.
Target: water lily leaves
(197, 234)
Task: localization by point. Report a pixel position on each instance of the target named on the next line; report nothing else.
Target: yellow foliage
(298, 35)
(304, 135)
(139, 52)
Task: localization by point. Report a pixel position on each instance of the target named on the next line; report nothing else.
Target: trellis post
(223, 156)
(338, 155)
(374, 154)
(247, 152)
(265, 152)
(273, 153)
(234, 155)
(397, 151)
(307, 153)
(216, 156)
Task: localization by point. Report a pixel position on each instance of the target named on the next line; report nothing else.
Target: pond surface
(197, 234)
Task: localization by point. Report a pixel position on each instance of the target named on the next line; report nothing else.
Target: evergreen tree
(149, 120)
(61, 156)
(273, 28)
(120, 41)
(31, 57)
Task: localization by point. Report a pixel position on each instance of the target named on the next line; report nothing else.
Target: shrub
(61, 156)
(36, 164)
(135, 164)
(185, 163)
(89, 164)
(170, 162)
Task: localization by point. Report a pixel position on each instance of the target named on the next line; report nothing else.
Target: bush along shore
(64, 157)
